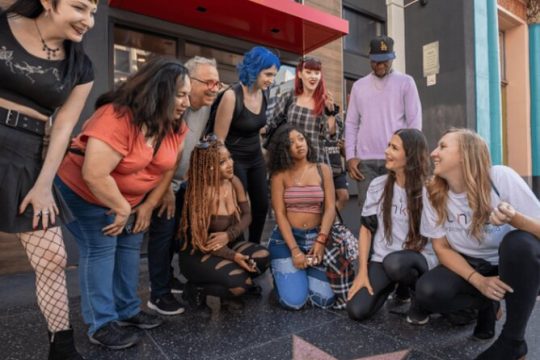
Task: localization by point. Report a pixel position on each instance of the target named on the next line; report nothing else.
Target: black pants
(162, 244)
(403, 267)
(253, 177)
(443, 291)
(221, 277)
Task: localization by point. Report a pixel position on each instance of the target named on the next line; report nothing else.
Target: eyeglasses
(207, 141)
(210, 84)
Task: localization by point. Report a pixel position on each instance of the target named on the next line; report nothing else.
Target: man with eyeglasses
(162, 245)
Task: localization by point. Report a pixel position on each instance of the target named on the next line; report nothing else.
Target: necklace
(298, 181)
(50, 51)
(379, 84)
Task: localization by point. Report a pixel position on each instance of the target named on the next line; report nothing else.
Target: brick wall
(516, 7)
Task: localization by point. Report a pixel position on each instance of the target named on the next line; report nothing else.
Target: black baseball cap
(381, 48)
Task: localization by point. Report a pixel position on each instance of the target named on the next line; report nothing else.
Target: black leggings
(253, 177)
(221, 277)
(403, 267)
(443, 291)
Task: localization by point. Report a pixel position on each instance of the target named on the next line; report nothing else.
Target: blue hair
(255, 61)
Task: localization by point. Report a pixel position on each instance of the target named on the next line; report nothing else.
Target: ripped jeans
(294, 287)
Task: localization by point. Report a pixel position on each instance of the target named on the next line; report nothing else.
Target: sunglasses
(207, 141)
(310, 59)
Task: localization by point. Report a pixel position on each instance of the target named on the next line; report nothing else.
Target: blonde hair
(475, 167)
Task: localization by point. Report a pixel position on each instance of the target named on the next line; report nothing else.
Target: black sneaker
(114, 337)
(401, 295)
(176, 286)
(166, 305)
(416, 315)
(142, 320)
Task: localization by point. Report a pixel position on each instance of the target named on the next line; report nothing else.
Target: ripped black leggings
(221, 277)
(403, 267)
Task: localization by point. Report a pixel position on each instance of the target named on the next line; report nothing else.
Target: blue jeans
(296, 286)
(162, 244)
(108, 265)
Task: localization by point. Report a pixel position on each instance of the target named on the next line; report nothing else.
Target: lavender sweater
(377, 108)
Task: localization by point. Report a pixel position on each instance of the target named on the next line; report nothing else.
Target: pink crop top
(304, 199)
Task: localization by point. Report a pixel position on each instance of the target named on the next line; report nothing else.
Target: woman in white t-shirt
(392, 211)
(485, 225)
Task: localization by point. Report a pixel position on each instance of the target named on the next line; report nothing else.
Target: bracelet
(470, 275)
(298, 254)
(294, 248)
(323, 236)
(320, 242)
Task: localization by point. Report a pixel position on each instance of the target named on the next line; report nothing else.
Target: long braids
(203, 186)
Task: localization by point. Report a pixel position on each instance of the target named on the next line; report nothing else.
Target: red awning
(282, 24)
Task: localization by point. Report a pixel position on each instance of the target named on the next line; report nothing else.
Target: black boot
(505, 349)
(62, 347)
(487, 317)
(195, 298)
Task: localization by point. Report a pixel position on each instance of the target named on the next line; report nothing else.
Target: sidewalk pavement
(262, 331)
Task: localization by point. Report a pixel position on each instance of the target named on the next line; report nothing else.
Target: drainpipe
(534, 66)
(396, 30)
(488, 78)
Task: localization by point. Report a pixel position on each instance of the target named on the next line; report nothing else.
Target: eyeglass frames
(210, 84)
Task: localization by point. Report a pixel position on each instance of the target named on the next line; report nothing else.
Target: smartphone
(253, 265)
(311, 260)
(130, 223)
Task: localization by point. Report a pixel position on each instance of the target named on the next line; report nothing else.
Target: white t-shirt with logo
(511, 188)
(400, 222)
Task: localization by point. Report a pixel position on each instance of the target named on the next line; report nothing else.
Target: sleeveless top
(304, 199)
(243, 139)
(31, 81)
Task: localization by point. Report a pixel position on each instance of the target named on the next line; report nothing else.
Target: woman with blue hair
(240, 116)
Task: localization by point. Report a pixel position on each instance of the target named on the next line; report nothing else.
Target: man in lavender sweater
(380, 103)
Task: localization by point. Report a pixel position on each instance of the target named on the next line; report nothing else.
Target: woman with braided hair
(214, 257)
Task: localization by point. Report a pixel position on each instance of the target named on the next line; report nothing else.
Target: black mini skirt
(20, 165)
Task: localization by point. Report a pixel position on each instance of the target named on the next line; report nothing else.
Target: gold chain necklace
(50, 51)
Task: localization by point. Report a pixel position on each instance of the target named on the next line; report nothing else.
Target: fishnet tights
(47, 255)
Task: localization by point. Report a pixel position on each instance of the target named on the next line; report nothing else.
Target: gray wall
(451, 102)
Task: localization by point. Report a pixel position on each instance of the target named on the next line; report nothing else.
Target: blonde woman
(485, 225)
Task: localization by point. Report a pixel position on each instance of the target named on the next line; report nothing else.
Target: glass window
(361, 30)
(132, 49)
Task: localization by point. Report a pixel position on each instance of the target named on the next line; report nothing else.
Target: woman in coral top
(114, 175)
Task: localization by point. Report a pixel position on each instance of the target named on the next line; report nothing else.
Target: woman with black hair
(44, 74)
(391, 225)
(114, 175)
(303, 200)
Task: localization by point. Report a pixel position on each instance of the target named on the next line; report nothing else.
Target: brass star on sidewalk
(302, 350)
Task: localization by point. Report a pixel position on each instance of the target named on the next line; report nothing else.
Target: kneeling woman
(485, 225)
(303, 199)
(213, 257)
(393, 206)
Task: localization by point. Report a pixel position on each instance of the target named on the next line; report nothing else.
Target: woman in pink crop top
(214, 256)
(304, 204)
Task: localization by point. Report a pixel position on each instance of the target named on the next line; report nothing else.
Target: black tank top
(243, 139)
(31, 81)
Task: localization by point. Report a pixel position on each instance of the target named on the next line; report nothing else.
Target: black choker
(50, 51)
